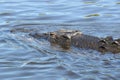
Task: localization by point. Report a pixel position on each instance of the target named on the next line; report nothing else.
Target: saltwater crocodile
(68, 38)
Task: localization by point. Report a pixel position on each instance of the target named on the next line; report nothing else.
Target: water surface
(25, 58)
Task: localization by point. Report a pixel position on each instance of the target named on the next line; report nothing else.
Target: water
(25, 58)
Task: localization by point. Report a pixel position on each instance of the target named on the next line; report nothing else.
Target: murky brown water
(25, 58)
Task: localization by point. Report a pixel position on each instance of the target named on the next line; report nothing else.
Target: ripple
(25, 58)
(92, 15)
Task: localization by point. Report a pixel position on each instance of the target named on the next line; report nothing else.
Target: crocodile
(67, 38)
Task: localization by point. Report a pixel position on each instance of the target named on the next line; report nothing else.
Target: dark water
(25, 58)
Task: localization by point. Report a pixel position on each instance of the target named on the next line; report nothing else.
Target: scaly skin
(68, 38)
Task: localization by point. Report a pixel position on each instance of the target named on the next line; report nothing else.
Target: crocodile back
(85, 41)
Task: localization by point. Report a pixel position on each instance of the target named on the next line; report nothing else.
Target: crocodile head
(60, 37)
(108, 44)
(63, 37)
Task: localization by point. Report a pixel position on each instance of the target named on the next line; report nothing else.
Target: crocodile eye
(76, 30)
(102, 47)
(65, 36)
(45, 33)
(115, 43)
(103, 41)
(52, 33)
